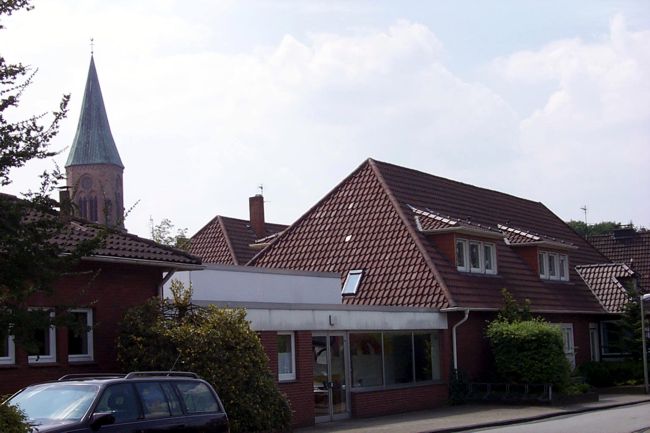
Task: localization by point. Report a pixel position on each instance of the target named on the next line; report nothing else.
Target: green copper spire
(93, 143)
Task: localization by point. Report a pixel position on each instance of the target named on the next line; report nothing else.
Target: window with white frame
(286, 356)
(352, 282)
(476, 257)
(7, 348)
(553, 266)
(80, 335)
(45, 339)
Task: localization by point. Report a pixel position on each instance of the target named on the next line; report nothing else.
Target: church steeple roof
(93, 143)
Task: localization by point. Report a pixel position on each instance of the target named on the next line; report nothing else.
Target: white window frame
(481, 256)
(285, 377)
(542, 261)
(480, 269)
(555, 260)
(352, 282)
(11, 352)
(545, 258)
(465, 266)
(89, 356)
(43, 359)
(493, 257)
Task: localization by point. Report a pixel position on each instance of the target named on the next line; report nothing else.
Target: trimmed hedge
(612, 373)
(530, 351)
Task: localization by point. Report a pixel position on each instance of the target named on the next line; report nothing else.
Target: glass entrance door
(330, 377)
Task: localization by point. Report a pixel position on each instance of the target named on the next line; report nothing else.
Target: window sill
(44, 364)
(396, 387)
(82, 362)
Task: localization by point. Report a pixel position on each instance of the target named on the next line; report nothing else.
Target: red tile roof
(116, 244)
(373, 221)
(606, 282)
(627, 247)
(228, 241)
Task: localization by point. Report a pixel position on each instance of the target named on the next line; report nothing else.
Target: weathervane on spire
(92, 46)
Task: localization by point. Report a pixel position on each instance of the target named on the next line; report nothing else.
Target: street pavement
(469, 417)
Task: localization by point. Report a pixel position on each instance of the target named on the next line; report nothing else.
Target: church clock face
(86, 182)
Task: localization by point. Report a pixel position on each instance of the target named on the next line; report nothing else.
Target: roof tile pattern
(116, 244)
(634, 246)
(357, 227)
(227, 240)
(367, 223)
(605, 281)
(491, 208)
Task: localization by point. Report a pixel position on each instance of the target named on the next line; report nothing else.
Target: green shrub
(529, 352)
(219, 345)
(601, 374)
(12, 420)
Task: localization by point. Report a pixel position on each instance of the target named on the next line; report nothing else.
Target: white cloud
(591, 136)
(198, 129)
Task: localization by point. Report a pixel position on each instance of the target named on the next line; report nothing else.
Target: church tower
(94, 168)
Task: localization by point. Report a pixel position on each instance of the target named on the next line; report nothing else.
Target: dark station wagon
(139, 402)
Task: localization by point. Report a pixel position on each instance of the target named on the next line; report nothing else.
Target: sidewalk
(467, 417)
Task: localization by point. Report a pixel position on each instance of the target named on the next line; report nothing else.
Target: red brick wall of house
(108, 289)
(299, 392)
(475, 358)
(382, 402)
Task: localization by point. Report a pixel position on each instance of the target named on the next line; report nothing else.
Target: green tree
(163, 233)
(601, 228)
(29, 261)
(218, 344)
(12, 420)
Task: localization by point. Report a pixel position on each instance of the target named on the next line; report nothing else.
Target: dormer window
(553, 266)
(476, 257)
(352, 282)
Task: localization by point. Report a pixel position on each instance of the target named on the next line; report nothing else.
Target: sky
(207, 100)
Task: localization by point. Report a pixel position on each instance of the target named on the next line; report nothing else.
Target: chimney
(65, 205)
(256, 206)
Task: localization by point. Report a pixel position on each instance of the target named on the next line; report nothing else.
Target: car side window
(120, 400)
(154, 402)
(172, 398)
(198, 398)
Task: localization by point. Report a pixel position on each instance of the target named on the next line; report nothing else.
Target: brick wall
(300, 391)
(383, 402)
(109, 290)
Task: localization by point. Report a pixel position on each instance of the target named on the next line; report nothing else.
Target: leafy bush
(601, 374)
(12, 420)
(219, 345)
(530, 351)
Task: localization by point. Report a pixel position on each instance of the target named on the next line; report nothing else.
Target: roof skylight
(352, 282)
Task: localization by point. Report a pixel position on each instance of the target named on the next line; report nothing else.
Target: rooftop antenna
(261, 188)
(92, 46)
(584, 209)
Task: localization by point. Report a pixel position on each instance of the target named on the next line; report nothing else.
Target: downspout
(453, 338)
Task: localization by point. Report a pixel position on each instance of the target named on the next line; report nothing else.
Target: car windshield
(55, 403)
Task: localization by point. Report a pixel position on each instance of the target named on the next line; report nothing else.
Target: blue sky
(545, 100)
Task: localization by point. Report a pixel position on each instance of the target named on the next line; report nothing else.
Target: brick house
(124, 272)
(626, 245)
(234, 241)
(400, 237)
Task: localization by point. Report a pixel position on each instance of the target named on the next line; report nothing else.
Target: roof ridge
(413, 170)
(291, 227)
(224, 232)
(412, 232)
